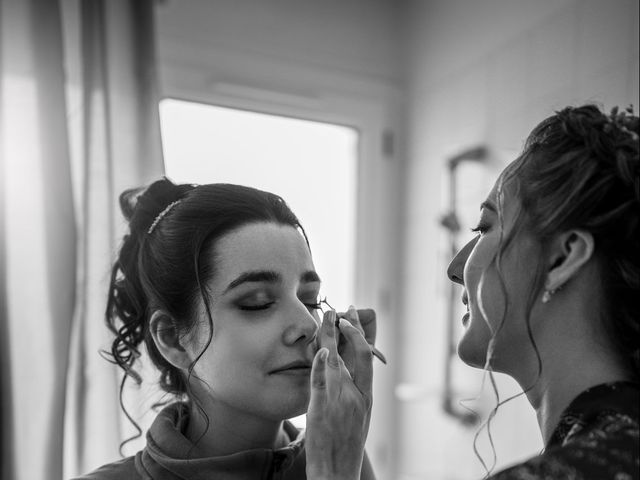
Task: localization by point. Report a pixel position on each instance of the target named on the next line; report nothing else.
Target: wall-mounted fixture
(450, 221)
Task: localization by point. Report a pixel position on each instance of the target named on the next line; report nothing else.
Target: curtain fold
(6, 423)
(119, 148)
(57, 207)
(78, 124)
(39, 234)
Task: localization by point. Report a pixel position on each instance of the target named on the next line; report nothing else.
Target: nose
(456, 267)
(302, 325)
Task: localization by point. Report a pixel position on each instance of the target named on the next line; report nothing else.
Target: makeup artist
(552, 287)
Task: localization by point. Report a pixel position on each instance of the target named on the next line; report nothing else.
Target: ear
(167, 339)
(570, 251)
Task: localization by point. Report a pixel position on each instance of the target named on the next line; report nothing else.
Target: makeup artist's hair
(166, 260)
(580, 169)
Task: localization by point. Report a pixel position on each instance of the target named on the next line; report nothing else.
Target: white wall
(485, 72)
(302, 47)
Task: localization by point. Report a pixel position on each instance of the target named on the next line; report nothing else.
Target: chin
(290, 406)
(473, 345)
(476, 356)
(471, 358)
(471, 352)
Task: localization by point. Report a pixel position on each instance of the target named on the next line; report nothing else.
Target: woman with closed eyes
(217, 282)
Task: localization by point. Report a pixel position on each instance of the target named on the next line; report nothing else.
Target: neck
(557, 387)
(231, 431)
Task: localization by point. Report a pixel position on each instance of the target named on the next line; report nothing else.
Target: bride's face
(264, 300)
(496, 299)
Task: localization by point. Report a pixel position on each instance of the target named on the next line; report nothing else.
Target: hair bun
(612, 139)
(624, 128)
(129, 200)
(142, 205)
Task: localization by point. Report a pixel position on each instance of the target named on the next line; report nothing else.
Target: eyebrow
(268, 276)
(489, 206)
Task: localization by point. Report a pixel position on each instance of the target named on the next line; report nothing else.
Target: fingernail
(324, 353)
(331, 317)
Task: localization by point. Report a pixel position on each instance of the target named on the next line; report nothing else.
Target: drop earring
(546, 296)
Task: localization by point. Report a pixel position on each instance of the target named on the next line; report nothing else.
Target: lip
(465, 298)
(465, 319)
(299, 367)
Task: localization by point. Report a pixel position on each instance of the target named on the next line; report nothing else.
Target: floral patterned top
(597, 438)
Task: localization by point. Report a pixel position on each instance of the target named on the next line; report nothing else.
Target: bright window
(312, 165)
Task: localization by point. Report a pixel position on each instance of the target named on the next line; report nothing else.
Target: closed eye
(253, 308)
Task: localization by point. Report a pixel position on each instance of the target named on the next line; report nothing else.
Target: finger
(368, 326)
(363, 364)
(367, 318)
(318, 370)
(328, 338)
(319, 395)
(344, 347)
(354, 318)
(368, 321)
(336, 369)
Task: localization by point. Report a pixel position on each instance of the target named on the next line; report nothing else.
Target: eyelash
(254, 308)
(481, 228)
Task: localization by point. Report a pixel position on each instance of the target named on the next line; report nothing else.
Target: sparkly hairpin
(161, 216)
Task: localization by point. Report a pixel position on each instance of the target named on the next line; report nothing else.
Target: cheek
(478, 268)
(473, 269)
(503, 299)
(234, 354)
(481, 255)
(486, 294)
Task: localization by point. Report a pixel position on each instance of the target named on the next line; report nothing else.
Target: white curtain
(78, 124)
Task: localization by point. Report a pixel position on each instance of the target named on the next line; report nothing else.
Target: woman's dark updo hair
(167, 258)
(580, 170)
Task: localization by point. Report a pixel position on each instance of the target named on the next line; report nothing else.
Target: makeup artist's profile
(551, 283)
